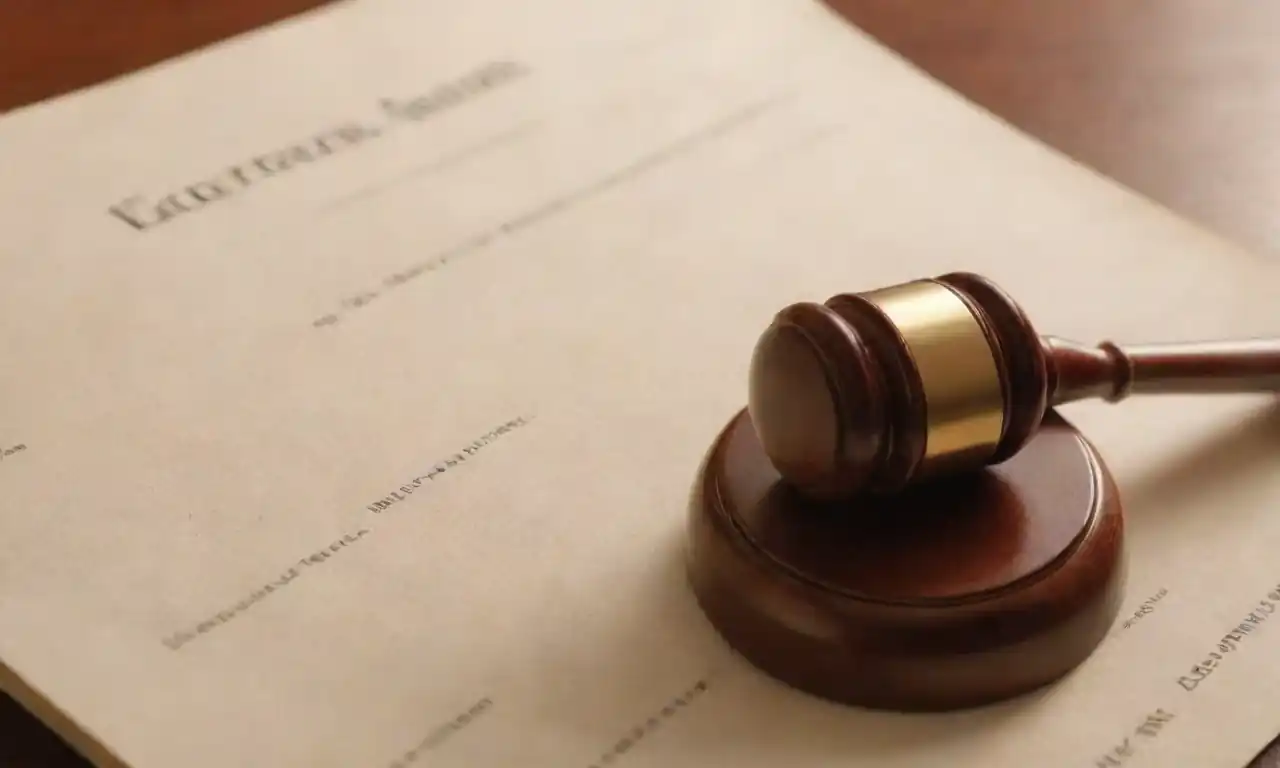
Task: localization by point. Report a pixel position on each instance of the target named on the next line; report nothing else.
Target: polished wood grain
(1179, 99)
(901, 602)
(1114, 372)
(48, 48)
(844, 402)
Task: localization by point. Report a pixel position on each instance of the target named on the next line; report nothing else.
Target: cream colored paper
(377, 453)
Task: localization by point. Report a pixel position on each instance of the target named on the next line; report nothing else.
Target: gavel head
(869, 392)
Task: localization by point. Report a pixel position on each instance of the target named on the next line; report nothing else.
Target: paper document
(355, 374)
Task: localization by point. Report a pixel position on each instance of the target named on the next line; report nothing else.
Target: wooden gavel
(869, 392)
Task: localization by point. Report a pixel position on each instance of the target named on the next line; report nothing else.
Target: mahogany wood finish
(963, 592)
(1177, 99)
(848, 413)
(51, 48)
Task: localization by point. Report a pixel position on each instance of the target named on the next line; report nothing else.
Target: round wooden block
(957, 593)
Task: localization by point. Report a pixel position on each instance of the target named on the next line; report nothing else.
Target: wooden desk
(50, 48)
(1178, 99)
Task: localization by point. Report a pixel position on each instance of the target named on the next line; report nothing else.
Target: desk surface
(1177, 99)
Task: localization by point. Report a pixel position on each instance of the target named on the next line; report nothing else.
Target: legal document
(356, 372)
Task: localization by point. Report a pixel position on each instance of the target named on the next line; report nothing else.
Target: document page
(356, 373)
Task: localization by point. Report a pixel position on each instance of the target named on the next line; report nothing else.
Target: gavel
(870, 392)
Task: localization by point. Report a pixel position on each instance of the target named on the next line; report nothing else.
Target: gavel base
(954, 594)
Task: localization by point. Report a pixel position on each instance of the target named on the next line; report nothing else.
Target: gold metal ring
(964, 404)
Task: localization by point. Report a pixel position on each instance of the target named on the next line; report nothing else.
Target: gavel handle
(1114, 373)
